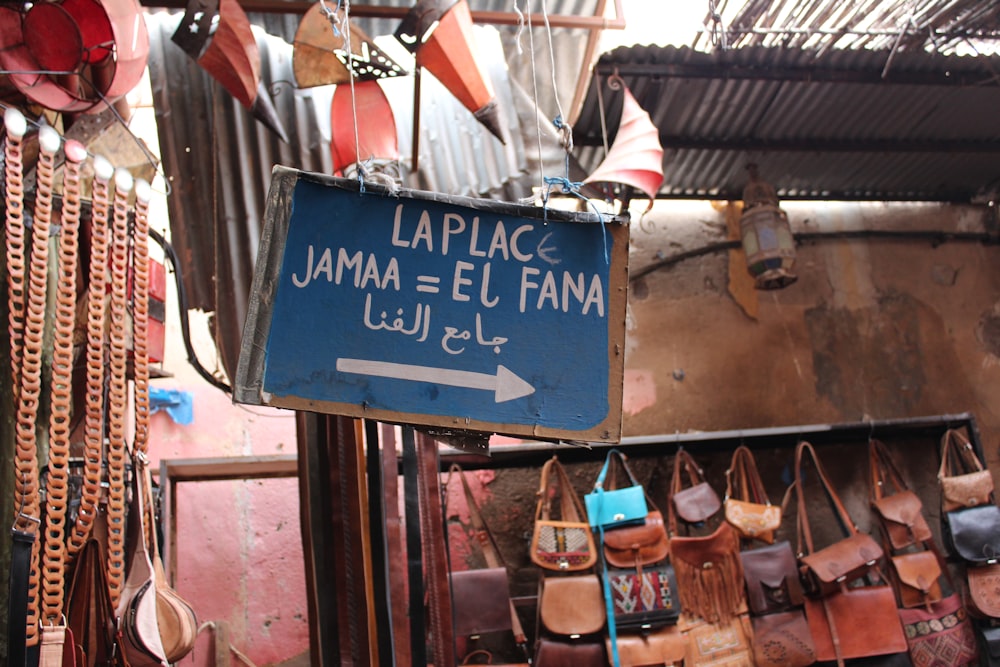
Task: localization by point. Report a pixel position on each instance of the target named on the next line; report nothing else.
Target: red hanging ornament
(376, 125)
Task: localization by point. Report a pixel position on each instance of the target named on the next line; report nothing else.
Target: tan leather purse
(572, 605)
(561, 539)
(666, 646)
(964, 481)
(746, 505)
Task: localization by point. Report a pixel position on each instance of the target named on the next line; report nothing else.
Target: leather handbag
(571, 605)
(561, 539)
(834, 566)
(698, 501)
(746, 505)
(973, 533)
(857, 623)
(90, 615)
(618, 506)
(725, 643)
(964, 481)
(636, 544)
(772, 579)
(481, 600)
(899, 510)
(940, 634)
(782, 640)
(984, 590)
(665, 647)
(708, 567)
(137, 603)
(562, 652)
(644, 599)
(916, 577)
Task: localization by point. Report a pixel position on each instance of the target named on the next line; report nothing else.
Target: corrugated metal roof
(842, 125)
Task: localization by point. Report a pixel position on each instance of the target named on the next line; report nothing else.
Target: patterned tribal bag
(564, 543)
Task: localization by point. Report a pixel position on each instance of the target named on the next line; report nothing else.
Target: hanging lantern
(635, 159)
(439, 34)
(375, 138)
(320, 55)
(766, 235)
(217, 35)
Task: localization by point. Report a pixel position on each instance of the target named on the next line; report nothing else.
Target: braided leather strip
(140, 315)
(117, 399)
(61, 393)
(93, 430)
(26, 481)
(13, 168)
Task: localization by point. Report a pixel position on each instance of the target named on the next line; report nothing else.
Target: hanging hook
(615, 81)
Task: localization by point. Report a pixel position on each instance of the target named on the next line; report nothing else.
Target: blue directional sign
(420, 308)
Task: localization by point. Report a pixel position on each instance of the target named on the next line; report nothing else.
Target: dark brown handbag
(834, 566)
(772, 578)
(964, 481)
(746, 505)
(782, 640)
(561, 539)
(898, 509)
(697, 502)
(481, 600)
(708, 568)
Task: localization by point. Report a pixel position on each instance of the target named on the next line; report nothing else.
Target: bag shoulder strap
(805, 541)
(570, 506)
(743, 480)
(957, 455)
(683, 462)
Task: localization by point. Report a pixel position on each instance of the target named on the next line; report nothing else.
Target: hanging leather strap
(743, 480)
(957, 455)
(570, 507)
(884, 473)
(805, 541)
(15, 127)
(17, 601)
(93, 429)
(117, 399)
(684, 463)
(434, 544)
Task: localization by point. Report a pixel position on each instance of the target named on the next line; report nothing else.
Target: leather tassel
(711, 590)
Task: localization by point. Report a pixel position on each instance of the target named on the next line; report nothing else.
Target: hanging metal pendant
(376, 127)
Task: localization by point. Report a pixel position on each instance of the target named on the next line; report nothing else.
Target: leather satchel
(965, 482)
(572, 605)
(644, 599)
(984, 590)
(665, 647)
(940, 635)
(481, 601)
(899, 510)
(772, 579)
(833, 567)
(782, 640)
(638, 545)
(856, 623)
(974, 533)
(615, 506)
(564, 542)
(697, 502)
(90, 614)
(746, 505)
(721, 644)
(708, 567)
(916, 578)
(550, 652)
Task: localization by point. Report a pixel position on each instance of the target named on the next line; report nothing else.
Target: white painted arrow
(506, 385)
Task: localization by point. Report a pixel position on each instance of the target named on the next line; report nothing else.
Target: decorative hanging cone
(439, 34)
(228, 53)
(320, 58)
(635, 158)
(76, 55)
(376, 136)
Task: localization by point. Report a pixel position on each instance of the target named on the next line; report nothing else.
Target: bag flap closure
(697, 503)
(975, 532)
(919, 570)
(666, 646)
(481, 600)
(572, 605)
(616, 507)
(968, 490)
(651, 531)
(832, 563)
(903, 507)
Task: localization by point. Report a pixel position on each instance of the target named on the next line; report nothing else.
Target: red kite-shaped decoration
(75, 55)
(228, 52)
(439, 34)
(320, 56)
(635, 158)
(376, 134)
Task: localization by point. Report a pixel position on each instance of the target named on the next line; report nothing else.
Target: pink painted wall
(240, 545)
